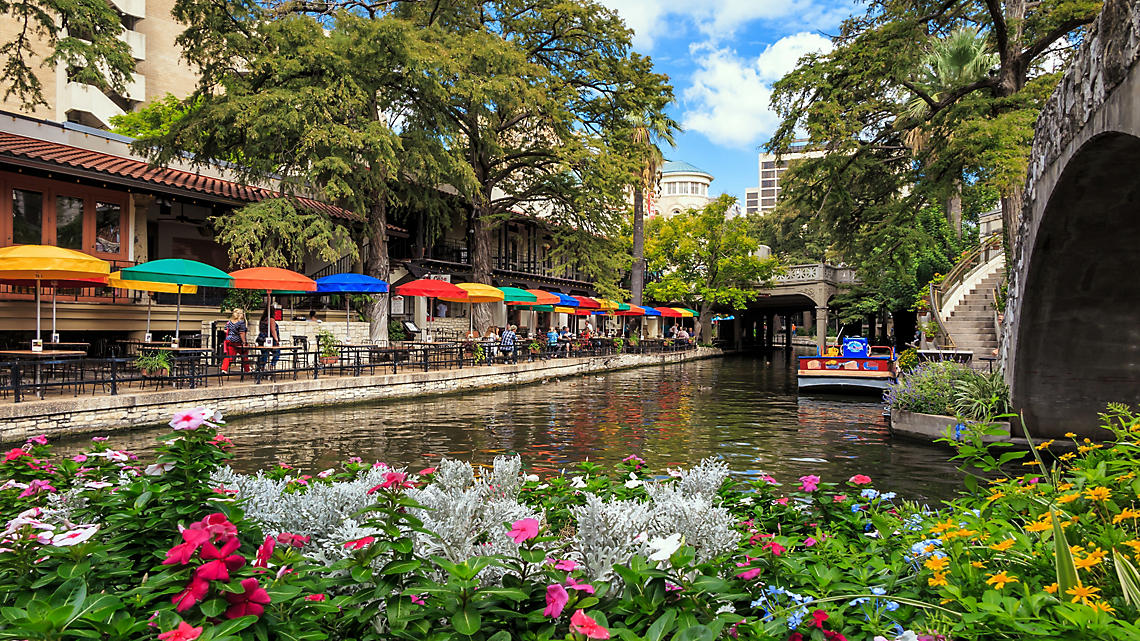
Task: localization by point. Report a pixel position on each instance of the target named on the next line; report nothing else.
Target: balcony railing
(454, 252)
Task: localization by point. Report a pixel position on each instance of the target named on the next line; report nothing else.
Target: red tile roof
(67, 156)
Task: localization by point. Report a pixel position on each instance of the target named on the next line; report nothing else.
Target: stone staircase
(970, 317)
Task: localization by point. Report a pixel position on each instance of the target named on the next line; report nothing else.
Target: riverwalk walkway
(70, 416)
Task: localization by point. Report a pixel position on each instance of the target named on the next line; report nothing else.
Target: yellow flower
(1134, 544)
(942, 526)
(1051, 588)
(1003, 546)
(1076, 549)
(1045, 445)
(1125, 477)
(978, 564)
(1098, 493)
(1068, 498)
(1070, 435)
(1029, 462)
(1126, 513)
(1082, 593)
(1064, 486)
(937, 563)
(1000, 579)
(929, 548)
(1098, 554)
(995, 496)
(1039, 526)
(1103, 606)
(1086, 562)
(1067, 456)
(997, 481)
(1085, 449)
(938, 579)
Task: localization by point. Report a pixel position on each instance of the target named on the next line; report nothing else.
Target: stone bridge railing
(819, 272)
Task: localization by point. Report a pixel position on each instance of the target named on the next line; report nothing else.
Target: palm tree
(954, 61)
(647, 130)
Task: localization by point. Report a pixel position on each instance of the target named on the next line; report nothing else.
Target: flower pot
(328, 360)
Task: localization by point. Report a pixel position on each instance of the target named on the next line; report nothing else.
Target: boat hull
(867, 374)
(848, 384)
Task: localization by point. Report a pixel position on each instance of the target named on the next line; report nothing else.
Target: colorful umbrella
(542, 303)
(566, 301)
(685, 313)
(350, 284)
(430, 288)
(475, 293)
(585, 302)
(39, 263)
(669, 312)
(607, 304)
(179, 272)
(544, 298)
(272, 279)
(116, 280)
(631, 310)
(514, 295)
(650, 311)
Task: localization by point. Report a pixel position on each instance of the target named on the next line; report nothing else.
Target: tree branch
(1000, 29)
(1035, 49)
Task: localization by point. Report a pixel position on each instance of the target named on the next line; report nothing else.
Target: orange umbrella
(272, 279)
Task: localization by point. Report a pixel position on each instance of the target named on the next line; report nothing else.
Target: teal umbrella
(180, 272)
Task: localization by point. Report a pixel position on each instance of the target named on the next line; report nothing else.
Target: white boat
(854, 366)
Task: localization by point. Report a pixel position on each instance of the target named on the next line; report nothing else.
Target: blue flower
(887, 496)
(774, 590)
(859, 601)
(878, 591)
(855, 508)
(869, 494)
(959, 431)
(892, 606)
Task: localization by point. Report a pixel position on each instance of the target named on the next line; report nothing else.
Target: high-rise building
(683, 187)
(150, 31)
(763, 199)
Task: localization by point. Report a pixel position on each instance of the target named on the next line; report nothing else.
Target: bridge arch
(1071, 337)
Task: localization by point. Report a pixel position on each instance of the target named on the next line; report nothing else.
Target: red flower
(795, 636)
(217, 525)
(250, 602)
(315, 597)
(195, 591)
(184, 632)
(220, 561)
(14, 454)
(818, 617)
(831, 635)
(859, 479)
(776, 548)
(582, 624)
(426, 471)
(360, 543)
(396, 479)
(181, 553)
(296, 540)
(265, 552)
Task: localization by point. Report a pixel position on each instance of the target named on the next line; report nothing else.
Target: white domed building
(682, 187)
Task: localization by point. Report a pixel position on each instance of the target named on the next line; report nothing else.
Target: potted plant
(326, 345)
(155, 363)
(619, 344)
(534, 347)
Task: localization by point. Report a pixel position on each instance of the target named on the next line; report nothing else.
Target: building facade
(150, 31)
(763, 199)
(683, 187)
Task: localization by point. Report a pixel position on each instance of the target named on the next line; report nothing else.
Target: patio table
(38, 358)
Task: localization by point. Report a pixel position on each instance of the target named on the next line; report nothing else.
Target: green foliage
(327, 343)
(279, 232)
(396, 331)
(946, 387)
(980, 396)
(705, 258)
(154, 361)
(154, 119)
(246, 300)
(908, 360)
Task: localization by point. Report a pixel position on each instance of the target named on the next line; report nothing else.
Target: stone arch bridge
(1071, 336)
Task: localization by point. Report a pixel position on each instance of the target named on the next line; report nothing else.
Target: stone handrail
(939, 292)
(817, 272)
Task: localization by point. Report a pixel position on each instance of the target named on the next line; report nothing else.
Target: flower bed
(101, 545)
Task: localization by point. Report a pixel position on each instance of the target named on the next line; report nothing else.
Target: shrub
(946, 387)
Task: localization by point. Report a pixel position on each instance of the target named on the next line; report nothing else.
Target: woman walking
(234, 345)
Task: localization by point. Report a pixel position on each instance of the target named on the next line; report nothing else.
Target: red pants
(231, 350)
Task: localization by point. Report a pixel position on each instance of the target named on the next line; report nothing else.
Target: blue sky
(722, 57)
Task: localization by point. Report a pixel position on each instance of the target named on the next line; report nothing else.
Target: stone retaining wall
(926, 427)
(67, 416)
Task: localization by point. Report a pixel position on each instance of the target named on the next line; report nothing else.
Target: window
(27, 217)
(69, 222)
(768, 202)
(752, 202)
(768, 183)
(769, 193)
(671, 188)
(767, 164)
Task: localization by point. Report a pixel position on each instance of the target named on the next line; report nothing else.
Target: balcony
(453, 253)
(88, 99)
(136, 8)
(136, 41)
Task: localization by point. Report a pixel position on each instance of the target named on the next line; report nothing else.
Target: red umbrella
(585, 302)
(430, 288)
(669, 312)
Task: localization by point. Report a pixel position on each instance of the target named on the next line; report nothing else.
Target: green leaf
(1128, 576)
(400, 566)
(661, 626)
(501, 635)
(1063, 558)
(142, 500)
(213, 607)
(466, 621)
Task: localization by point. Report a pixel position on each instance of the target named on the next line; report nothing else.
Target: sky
(722, 57)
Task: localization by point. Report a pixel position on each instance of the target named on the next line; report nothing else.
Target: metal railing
(954, 279)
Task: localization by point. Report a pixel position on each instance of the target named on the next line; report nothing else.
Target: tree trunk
(1011, 218)
(378, 266)
(637, 275)
(481, 266)
(954, 208)
(706, 323)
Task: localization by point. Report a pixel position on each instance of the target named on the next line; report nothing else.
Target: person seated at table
(267, 335)
(552, 340)
(682, 335)
(507, 342)
(234, 345)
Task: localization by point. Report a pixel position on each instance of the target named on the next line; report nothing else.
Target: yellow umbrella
(475, 293)
(38, 264)
(607, 304)
(116, 280)
(685, 313)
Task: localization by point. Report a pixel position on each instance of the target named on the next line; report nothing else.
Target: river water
(744, 409)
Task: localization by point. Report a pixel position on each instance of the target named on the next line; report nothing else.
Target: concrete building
(682, 187)
(150, 31)
(763, 198)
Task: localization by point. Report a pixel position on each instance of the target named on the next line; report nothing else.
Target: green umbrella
(178, 271)
(516, 295)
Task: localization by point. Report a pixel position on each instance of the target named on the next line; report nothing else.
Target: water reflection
(745, 410)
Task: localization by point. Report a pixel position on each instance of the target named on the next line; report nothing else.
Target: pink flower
(360, 543)
(839, 498)
(79, 458)
(582, 624)
(37, 440)
(14, 454)
(192, 540)
(184, 632)
(250, 602)
(188, 419)
(859, 479)
(195, 591)
(769, 480)
(776, 548)
(265, 552)
(669, 587)
(809, 542)
(100, 439)
(220, 561)
(396, 479)
(781, 501)
(354, 459)
(556, 598)
(566, 565)
(750, 573)
(809, 483)
(583, 587)
(74, 537)
(523, 529)
(818, 617)
(418, 599)
(296, 540)
(37, 486)
(426, 471)
(315, 597)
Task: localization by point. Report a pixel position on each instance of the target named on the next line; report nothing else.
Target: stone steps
(971, 322)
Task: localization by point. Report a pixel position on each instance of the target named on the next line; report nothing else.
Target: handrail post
(16, 382)
(114, 377)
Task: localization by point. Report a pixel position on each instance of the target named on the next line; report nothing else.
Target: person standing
(234, 345)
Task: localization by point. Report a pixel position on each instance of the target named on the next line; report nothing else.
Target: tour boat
(852, 366)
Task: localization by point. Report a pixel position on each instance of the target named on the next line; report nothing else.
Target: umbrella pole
(470, 318)
(149, 300)
(178, 314)
(347, 318)
(38, 309)
(53, 310)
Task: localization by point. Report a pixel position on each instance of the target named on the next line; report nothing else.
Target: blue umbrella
(350, 284)
(649, 311)
(566, 301)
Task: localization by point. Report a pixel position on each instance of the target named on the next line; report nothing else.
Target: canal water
(744, 409)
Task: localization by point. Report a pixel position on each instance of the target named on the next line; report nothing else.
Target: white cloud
(728, 100)
(720, 20)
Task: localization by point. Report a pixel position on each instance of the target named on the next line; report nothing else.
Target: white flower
(633, 481)
(642, 537)
(112, 455)
(577, 482)
(748, 500)
(211, 416)
(325, 474)
(97, 485)
(663, 548)
(74, 537)
(908, 635)
(158, 469)
(674, 472)
(543, 486)
(530, 478)
(14, 484)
